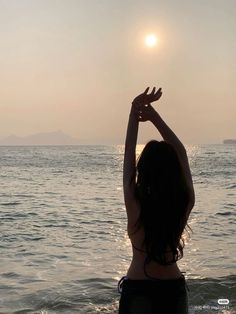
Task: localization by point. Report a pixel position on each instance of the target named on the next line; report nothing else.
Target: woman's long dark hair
(163, 196)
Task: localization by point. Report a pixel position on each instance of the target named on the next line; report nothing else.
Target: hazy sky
(76, 65)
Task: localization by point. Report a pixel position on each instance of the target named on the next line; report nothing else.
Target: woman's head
(163, 196)
(158, 164)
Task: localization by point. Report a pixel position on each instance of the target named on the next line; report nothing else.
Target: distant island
(50, 138)
(229, 141)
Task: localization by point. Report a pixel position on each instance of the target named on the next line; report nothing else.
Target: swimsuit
(158, 296)
(153, 296)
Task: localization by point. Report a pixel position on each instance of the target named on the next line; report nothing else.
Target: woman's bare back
(139, 269)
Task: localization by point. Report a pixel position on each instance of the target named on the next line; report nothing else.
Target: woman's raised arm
(129, 166)
(147, 112)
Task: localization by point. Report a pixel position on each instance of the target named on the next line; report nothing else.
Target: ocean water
(63, 239)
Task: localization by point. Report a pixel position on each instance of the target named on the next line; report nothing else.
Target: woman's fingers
(158, 94)
(154, 95)
(159, 91)
(153, 91)
(146, 90)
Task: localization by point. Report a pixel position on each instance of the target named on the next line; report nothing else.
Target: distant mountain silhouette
(51, 138)
(229, 141)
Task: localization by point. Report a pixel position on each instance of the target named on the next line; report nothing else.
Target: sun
(151, 40)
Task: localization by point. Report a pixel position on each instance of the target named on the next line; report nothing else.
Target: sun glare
(151, 40)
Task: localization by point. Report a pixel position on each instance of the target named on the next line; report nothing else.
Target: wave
(10, 203)
(205, 293)
(226, 213)
(232, 186)
(99, 295)
(10, 275)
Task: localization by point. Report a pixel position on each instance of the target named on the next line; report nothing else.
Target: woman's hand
(141, 105)
(146, 98)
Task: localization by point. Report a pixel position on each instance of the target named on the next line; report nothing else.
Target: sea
(63, 240)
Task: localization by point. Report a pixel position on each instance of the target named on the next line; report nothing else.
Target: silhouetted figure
(159, 196)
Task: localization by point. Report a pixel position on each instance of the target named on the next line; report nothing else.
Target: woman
(159, 196)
